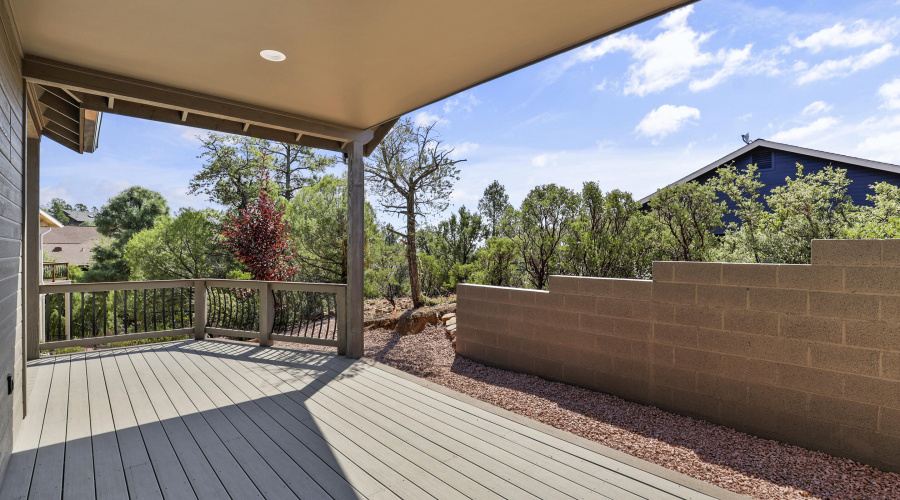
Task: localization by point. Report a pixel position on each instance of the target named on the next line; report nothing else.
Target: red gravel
(756, 467)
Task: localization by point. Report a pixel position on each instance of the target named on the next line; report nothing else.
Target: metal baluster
(155, 329)
(115, 316)
(82, 315)
(94, 314)
(305, 318)
(181, 304)
(144, 311)
(105, 311)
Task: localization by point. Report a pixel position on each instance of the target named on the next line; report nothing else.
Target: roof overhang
(48, 220)
(762, 143)
(352, 68)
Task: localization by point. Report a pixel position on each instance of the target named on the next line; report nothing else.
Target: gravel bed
(756, 467)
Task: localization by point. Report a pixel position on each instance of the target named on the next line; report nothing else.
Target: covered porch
(218, 419)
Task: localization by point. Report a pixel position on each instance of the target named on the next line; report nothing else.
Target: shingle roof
(72, 244)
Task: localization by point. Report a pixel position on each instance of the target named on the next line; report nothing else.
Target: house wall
(11, 236)
(785, 164)
(806, 354)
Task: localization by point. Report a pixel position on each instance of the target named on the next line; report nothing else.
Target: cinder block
(734, 297)
(872, 279)
(700, 316)
(578, 340)
(636, 369)
(549, 369)
(469, 292)
(807, 277)
(487, 338)
(661, 354)
(580, 376)
(723, 388)
(774, 299)
(845, 412)
(563, 284)
(814, 380)
(615, 307)
(644, 310)
(805, 430)
(598, 362)
(873, 334)
(889, 423)
(597, 287)
(843, 305)
(791, 351)
(750, 370)
(762, 275)
(562, 353)
(631, 389)
(890, 365)
(695, 404)
(579, 303)
(846, 252)
(663, 271)
(678, 335)
(845, 359)
(640, 349)
(551, 301)
(521, 297)
(496, 294)
(890, 308)
(778, 398)
(698, 272)
(750, 418)
(594, 323)
(614, 346)
(725, 342)
(874, 391)
(497, 356)
(675, 293)
(678, 378)
(524, 329)
(551, 316)
(632, 289)
(757, 322)
(890, 255)
(663, 312)
(811, 328)
(522, 363)
(633, 329)
(696, 359)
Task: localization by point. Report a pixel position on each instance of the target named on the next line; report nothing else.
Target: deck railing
(56, 271)
(82, 314)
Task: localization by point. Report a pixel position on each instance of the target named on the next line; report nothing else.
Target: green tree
(124, 215)
(744, 240)
(882, 218)
(57, 208)
(544, 220)
(413, 174)
(609, 237)
(685, 216)
(497, 263)
(186, 246)
(493, 206)
(460, 236)
(318, 219)
(230, 170)
(294, 166)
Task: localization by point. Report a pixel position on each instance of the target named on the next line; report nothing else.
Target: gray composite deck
(214, 419)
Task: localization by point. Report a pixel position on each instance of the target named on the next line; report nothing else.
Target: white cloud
(732, 61)
(466, 147)
(190, 134)
(600, 87)
(545, 159)
(466, 101)
(890, 92)
(805, 131)
(849, 65)
(860, 33)
(882, 147)
(816, 108)
(424, 118)
(665, 120)
(745, 117)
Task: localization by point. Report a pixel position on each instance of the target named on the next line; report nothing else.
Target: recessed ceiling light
(272, 55)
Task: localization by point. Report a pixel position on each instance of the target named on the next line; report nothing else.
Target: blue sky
(634, 111)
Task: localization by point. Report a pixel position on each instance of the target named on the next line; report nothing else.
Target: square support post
(266, 314)
(199, 310)
(356, 240)
(33, 253)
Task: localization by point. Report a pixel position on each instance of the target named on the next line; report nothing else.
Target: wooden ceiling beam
(60, 105)
(52, 134)
(169, 115)
(60, 119)
(378, 135)
(88, 81)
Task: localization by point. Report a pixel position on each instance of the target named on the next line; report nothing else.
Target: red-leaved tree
(258, 236)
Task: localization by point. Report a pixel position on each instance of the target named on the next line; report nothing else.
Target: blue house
(776, 161)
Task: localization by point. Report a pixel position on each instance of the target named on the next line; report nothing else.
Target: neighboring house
(72, 244)
(776, 161)
(78, 217)
(48, 220)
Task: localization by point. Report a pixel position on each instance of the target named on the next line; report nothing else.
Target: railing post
(68, 298)
(199, 310)
(266, 314)
(341, 299)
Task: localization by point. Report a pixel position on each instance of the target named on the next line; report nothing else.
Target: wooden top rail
(209, 282)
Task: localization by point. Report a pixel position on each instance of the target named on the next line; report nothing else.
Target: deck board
(213, 419)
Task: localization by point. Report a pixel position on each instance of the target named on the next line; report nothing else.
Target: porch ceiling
(353, 65)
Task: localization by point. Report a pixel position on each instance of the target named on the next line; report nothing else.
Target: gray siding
(11, 235)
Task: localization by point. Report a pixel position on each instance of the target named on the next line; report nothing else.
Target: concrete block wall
(805, 354)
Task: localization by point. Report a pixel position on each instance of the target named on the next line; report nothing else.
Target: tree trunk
(412, 256)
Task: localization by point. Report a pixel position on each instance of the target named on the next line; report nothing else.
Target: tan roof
(349, 64)
(72, 244)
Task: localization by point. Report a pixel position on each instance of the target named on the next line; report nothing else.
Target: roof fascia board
(46, 71)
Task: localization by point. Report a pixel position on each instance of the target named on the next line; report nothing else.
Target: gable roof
(48, 220)
(762, 143)
(72, 244)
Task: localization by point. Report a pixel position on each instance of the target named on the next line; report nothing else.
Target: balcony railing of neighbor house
(82, 314)
(56, 271)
